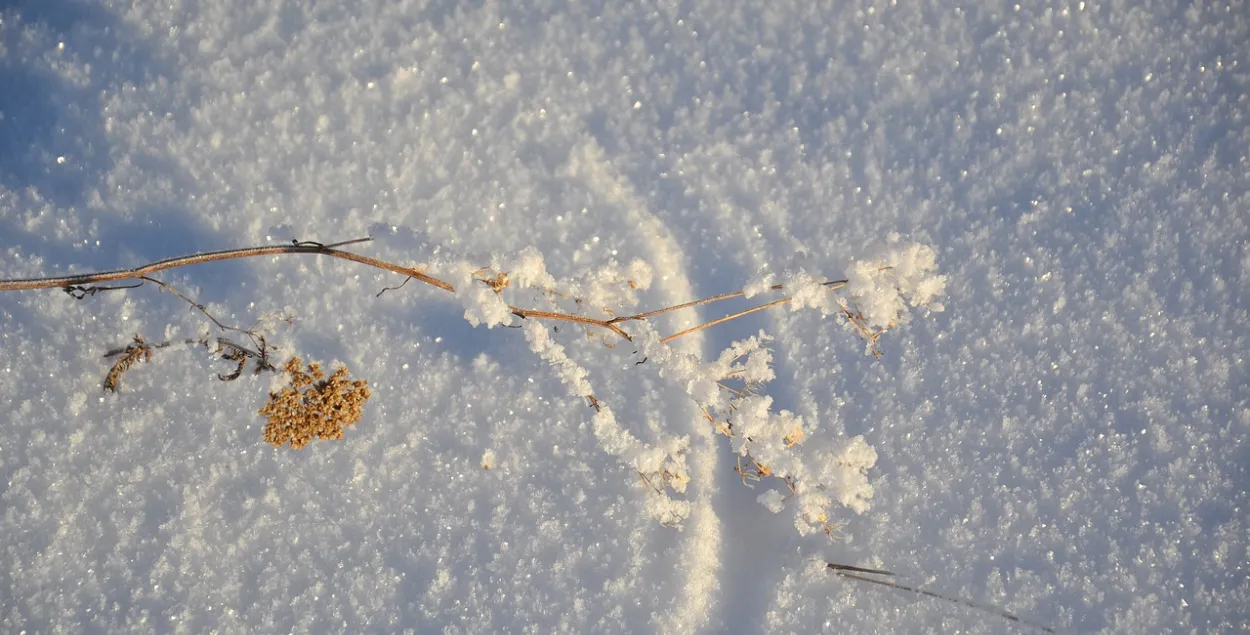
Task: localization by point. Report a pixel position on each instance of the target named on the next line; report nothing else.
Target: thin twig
(113, 352)
(262, 358)
(649, 484)
(80, 283)
(195, 305)
(343, 243)
(257, 339)
(225, 254)
(564, 317)
(854, 569)
(708, 300)
(398, 286)
(79, 293)
(832, 284)
(847, 571)
(724, 319)
(685, 305)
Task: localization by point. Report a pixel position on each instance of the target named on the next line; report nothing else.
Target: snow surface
(1068, 440)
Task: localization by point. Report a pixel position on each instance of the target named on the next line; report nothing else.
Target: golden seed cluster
(313, 405)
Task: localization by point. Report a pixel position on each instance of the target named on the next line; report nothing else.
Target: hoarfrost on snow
(904, 275)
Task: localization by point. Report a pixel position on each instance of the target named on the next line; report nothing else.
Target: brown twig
(722, 320)
(113, 352)
(684, 305)
(565, 317)
(833, 285)
(331, 250)
(708, 300)
(80, 285)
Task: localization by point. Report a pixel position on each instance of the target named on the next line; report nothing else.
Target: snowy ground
(1068, 440)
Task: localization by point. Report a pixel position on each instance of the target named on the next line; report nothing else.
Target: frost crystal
(761, 282)
(769, 443)
(772, 500)
(482, 305)
(571, 373)
(808, 292)
(611, 286)
(882, 289)
(529, 271)
(662, 467)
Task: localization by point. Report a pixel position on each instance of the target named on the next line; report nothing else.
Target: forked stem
(832, 285)
(82, 283)
(314, 248)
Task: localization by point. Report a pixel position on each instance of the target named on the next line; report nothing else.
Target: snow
(1065, 440)
(901, 278)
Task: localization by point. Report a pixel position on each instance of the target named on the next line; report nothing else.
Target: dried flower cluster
(139, 351)
(313, 405)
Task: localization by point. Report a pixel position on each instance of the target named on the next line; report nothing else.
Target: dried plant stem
(219, 341)
(567, 317)
(82, 284)
(382, 264)
(722, 320)
(832, 285)
(213, 256)
(709, 300)
(139, 351)
(856, 573)
(684, 305)
(202, 309)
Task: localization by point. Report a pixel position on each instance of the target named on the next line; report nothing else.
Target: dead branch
(84, 284)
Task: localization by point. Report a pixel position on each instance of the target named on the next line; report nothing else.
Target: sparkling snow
(1067, 440)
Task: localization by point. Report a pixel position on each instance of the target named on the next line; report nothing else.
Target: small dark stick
(853, 573)
(79, 292)
(855, 569)
(400, 286)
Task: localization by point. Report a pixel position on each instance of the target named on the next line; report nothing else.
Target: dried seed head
(313, 405)
(136, 352)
